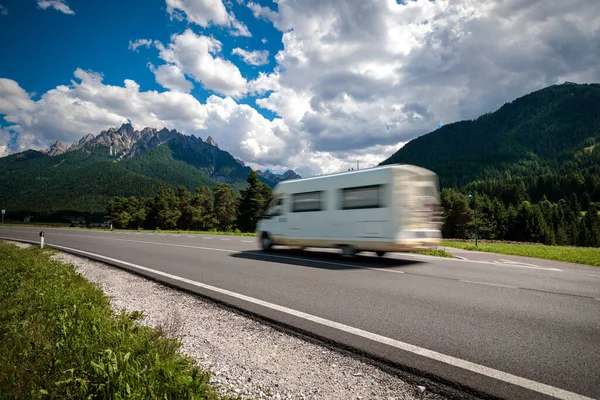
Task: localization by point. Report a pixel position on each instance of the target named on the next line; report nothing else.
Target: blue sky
(343, 81)
(46, 46)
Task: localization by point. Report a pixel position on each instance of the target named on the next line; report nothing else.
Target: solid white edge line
(456, 362)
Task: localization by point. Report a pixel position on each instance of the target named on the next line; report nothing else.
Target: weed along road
(514, 330)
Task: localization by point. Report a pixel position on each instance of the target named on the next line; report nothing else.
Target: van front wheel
(348, 251)
(265, 242)
(381, 253)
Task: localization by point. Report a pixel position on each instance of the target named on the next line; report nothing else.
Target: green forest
(533, 167)
(216, 208)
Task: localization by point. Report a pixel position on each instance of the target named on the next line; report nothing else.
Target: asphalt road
(508, 326)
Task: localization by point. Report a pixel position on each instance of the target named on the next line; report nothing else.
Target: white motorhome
(383, 209)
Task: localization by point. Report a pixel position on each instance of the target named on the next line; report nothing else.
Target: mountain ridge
(539, 131)
(119, 161)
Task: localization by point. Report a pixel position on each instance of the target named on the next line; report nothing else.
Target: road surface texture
(510, 329)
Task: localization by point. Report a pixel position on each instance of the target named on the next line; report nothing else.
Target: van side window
(309, 201)
(362, 197)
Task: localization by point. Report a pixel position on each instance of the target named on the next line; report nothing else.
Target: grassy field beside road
(578, 255)
(59, 338)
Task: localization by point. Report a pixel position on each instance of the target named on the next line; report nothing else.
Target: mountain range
(118, 162)
(544, 131)
(541, 144)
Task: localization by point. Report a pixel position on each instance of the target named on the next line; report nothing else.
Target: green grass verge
(59, 338)
(578, 255)
(43, 225)
(435, 252)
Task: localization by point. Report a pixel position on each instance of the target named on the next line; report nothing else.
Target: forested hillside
(81, 178)
(534, 163)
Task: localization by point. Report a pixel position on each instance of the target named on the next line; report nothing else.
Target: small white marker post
(42, 239)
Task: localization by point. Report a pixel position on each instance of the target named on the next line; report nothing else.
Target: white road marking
(516, 264)
(204, 237)
(450, 360)
(247, 241)
(490, 284)
(191, 236)
(461, 258)
(594, 275)
(226, 239)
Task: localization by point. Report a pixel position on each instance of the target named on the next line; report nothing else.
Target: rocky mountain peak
(211, 141)
(56, 148)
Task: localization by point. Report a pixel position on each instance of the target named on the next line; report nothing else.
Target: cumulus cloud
(353, 82)
(256, 57)
(3, 10)
(58, 5)
(88, 104)
(139, 43)
(171, 77)
(197, 56)
(263, 12)
(205, 13)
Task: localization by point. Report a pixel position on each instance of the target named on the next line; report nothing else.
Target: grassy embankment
(435, 252)
(578, 255)
(59, 338)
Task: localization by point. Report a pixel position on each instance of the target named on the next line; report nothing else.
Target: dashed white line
(226, 239)
(434, 355)
(205, 237)
(490, 284)
(246, 241)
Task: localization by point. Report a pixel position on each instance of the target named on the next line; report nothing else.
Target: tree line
(206, 209)
(546, 222)
(573, 220)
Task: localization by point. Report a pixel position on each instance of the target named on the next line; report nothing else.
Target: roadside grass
(577, 255)
(50, 225)
(435, 252)
(60, 338)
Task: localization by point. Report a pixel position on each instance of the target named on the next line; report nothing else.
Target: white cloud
(58, 5)
(171, 77)
(264, 40)
(139, 43)
(263, 12)
(87, 105)
(352, 82)
(4, 143)
(197, 56)
(256, 57)
(205, 13)
(3, 10)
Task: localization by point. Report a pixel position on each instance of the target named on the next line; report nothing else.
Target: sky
(308, 85)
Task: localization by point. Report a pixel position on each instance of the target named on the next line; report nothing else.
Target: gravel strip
(246, 357)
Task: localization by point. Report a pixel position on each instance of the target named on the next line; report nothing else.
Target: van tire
(348, 251)
(380, 253)
(265, 242)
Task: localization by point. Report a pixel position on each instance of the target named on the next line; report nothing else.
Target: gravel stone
(245, 356)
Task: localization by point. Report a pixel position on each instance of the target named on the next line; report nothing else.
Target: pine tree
(253, 202)
(203, 216)
(224, 206)
(585, 201)
(167, 209)
(458, 216)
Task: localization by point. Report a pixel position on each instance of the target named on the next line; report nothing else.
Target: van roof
(407, 167)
